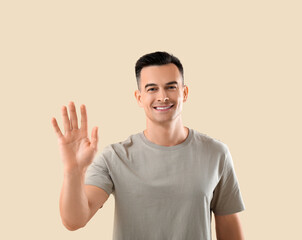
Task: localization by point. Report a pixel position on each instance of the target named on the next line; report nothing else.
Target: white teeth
(161, 108)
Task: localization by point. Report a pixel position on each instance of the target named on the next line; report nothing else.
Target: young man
(167, 180)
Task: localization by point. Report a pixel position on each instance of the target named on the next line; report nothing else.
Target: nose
(162, 96)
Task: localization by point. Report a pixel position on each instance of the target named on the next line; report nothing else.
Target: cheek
(180, 100)
(146, 101)
(179, 96)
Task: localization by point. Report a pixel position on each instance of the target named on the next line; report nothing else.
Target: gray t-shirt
(165, 193)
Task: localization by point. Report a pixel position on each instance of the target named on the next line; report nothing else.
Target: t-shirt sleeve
(227, 198)
(97, 174)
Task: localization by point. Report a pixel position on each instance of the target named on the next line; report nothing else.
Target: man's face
(161, 86)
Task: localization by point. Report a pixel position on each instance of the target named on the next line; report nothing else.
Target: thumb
(94, 138)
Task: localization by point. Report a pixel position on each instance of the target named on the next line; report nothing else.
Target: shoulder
(212, 144)
(122, 147)
(221, 153)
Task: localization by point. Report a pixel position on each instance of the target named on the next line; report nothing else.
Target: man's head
(161, 91)
(156, 59)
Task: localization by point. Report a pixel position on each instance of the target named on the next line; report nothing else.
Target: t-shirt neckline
(167, 148)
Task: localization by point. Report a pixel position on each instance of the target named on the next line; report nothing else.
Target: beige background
(242, 62)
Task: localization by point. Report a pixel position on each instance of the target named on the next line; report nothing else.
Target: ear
(138, 96)
(185, 93)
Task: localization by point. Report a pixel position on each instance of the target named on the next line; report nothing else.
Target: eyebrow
(153, 84)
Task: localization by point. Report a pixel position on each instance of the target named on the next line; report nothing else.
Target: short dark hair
(156, 58)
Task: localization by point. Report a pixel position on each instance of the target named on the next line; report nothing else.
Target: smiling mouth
(163, 108)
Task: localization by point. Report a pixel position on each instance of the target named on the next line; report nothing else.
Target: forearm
(231, 236)
(74, 206)
(228, 227)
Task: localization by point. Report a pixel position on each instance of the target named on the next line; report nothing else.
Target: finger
(73, 116)
(56, 127)
(83, 119)
(66, 121)
(94, 138)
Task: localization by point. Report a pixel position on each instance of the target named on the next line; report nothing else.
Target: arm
(228, 227)
(78, 202)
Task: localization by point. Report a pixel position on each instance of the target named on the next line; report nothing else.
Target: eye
(151, 89)
(172, 87)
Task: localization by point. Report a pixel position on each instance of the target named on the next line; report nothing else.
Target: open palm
(76, 150)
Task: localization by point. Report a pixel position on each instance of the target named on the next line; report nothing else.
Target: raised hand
(76, 150)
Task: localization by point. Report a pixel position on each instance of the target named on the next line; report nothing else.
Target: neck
(169, 134)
